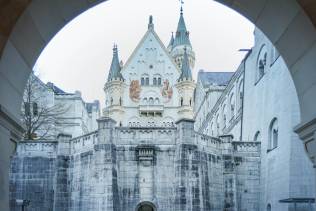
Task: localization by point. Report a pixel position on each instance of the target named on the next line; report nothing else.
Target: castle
(166, 142)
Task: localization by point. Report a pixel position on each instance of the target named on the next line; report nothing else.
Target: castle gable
(150, 59)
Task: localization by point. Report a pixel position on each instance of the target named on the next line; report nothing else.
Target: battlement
(83, 143)
(145, 135)
(37, 148)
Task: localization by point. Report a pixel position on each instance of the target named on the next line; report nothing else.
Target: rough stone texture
(117, 168)
(33, 175)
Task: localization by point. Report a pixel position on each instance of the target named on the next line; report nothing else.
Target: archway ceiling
(11, 10)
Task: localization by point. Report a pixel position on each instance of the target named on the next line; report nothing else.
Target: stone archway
(146, 206)
(27, 26)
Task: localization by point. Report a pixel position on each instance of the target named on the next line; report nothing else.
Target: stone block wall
(32, 175)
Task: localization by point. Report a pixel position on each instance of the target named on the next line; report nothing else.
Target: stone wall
(118, 168)
(32, 175)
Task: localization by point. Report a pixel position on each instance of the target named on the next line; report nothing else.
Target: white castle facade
(166, 142)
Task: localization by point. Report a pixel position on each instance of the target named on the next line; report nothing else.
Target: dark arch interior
(145, 207)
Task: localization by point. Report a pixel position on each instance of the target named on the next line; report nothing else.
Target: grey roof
(214, 78)
(171, 41)
(89, 106)
(55, 89)
(182, 35)
(115, 69)
(185, 68)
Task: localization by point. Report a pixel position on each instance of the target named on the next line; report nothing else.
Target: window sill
(269, 150)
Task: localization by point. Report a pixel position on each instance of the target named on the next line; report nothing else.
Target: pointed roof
(182, 35)
(140, 44)
(115, 69)
(186, 73)
(170, 45)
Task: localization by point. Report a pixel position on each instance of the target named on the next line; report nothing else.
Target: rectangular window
(27, 109)
(142, 81)
(159, 81)
(147, 81)
(35, 109)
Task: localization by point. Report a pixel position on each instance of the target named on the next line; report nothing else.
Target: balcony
(151, 110)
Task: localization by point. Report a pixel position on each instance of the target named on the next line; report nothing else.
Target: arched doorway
(146, 206)
(29, 26)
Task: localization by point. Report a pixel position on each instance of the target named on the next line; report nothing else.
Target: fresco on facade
(134, 90)
(166, 90)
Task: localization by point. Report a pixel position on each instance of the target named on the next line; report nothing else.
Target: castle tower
(114, 88)
(181, 41)
(186, 87)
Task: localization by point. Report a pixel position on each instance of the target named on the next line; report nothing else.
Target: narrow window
(142, 81)
(181, 101)
(273, 134)
(35, 109)
(27, 109)
(147, 81)
(155, 81)
(159, 81)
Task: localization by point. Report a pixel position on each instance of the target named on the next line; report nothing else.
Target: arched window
(159, 81)
(240, 94)
(224, 116)
(269, 207)
(151, 101)
(261, 63)
(157, 101)
(147, 81)
(142, 81)
(111, 100)
(232, 105)
(181, 101)
(257, 137)
(155, 81)
(273, 134)
(212, 129)
(145, 101)
(217, 124)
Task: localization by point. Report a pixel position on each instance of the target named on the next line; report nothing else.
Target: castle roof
(214, 78)
(171, 41)
(185, 68)
(182, 35)
(115, 69)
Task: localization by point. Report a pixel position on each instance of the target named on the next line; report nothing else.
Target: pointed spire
(182, 35)
(150, 24)
(186, 73)
(170, 45)
(115, 69)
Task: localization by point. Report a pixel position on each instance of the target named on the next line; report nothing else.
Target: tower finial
(181, 9)
(150, 24)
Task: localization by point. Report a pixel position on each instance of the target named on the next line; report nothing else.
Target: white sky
(79, 56)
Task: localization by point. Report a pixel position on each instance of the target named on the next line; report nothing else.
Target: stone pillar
(106, 184)
(10, 132)
(186, 133)
(62, 192)
(105, 130)
(307, 132)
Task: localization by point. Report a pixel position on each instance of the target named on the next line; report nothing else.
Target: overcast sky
(79, 56)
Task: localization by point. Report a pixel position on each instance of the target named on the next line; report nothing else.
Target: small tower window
(159, 81)
(147, 81)
(181, 101)
(142, 81)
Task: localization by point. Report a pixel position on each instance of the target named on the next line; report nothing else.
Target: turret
(114, 88)
(181, 41)
(186, 87)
